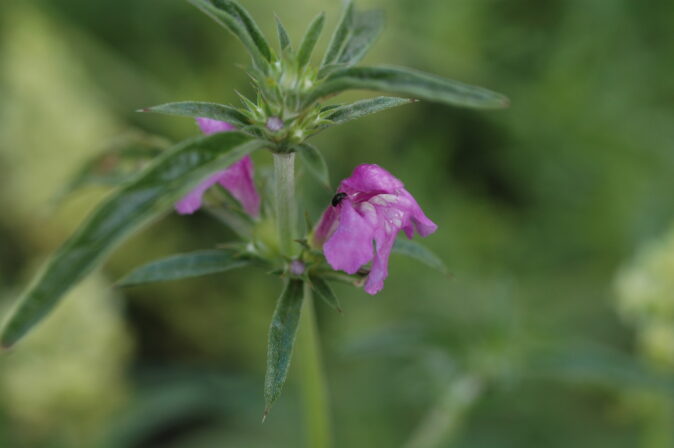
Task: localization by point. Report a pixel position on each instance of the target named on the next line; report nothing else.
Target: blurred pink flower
(237, 178)
(371, 206)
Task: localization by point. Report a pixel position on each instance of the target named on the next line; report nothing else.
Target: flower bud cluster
(278, 114)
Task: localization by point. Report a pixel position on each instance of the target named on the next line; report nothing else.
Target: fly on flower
(369, 210)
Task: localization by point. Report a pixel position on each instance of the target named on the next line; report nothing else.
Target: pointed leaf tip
(340, 35)
(284, 39)
(323, 290)
(282, 332)
(309, 40)
(421, 253)
(408, 82)
(201, 109)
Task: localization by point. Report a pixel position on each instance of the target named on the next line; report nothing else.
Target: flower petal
(192, 201)
(326, 226)
(379, 271)
(377, 208)
(417, 219)
(209, 126)
(350, 246)
(238, 180)
(371, 178)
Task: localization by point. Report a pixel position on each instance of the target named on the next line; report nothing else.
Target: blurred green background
(556, 218)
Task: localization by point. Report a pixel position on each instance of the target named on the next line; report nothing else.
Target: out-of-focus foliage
(646, 299)
(76, 360)
(542, 209)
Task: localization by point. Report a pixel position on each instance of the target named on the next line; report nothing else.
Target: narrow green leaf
(367, 26)
(330, 107)
(253, 109)
(219, 10)
(176, 267)
(248, 23)
(323, 290)
(420, 253)
(152, 193)
(116, 164)
(202, 109)
(315, 163)
(282, 333)
(326, 70)
(283, 38)
(363, 108)
(309, 40)
(405, 81)
(352, 280)
(340, 36)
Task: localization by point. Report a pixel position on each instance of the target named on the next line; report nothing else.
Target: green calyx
(279, 114)
(290, 90)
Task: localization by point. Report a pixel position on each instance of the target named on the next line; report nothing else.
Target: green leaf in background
(315, 163)
(193, 264)
(340, 36)
(309, 40)
(202, 109)
(323, 290)
(406, 81)
(118, 163)
(148, 196)
(366, 28)
(220, 11)
(359, 109)
(283, 38)
(419, 252)
(282, 333)
(591, 363)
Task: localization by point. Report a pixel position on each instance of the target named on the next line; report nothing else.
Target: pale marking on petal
(378, 200)
(368, 211)
(389, 197)
(366, 208)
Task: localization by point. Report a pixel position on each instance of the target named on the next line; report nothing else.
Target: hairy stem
(284, 196)
(312, 379)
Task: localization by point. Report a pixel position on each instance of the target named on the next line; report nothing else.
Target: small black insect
(336, 199)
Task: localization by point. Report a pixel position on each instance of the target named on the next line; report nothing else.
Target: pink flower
(361, 225)
(237, 178)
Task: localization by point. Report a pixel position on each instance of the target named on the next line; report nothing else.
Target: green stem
(284, 196)
(442, 425)
(313, 384)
